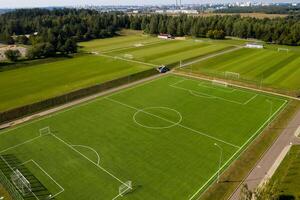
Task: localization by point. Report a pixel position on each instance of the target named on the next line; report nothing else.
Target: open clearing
(43, 81)
(287, 176)
(164, 135)
(273, 68)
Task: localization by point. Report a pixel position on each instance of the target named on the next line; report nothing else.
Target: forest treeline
(58, 31)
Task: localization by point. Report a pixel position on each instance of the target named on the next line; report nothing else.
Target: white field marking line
(14, 183)
(133, 47)
(213, 96)
(210, 56)
(90, 148)
(185, 127)
(20, 144)
(61, 188)
(98, 166)
(201, 94)
(121, 194)
(128, 60)
(262, 92)
(153, 127)
(83, 104)
(239, 150)
(202, 84)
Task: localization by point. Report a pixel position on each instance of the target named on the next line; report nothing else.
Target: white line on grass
(133, 47)
(213, 96)
(27, 141)
(178, 124)
(61, 188)
(98, 166)
(128, 60)
(81, 104)
(13, 182)
(93, 150)
(239, 150)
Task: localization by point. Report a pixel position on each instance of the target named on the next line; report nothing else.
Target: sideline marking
(128, 60)
(98, 166)
(201, 94)
(188, 128)
(157, 127)
(90, 148)
(238, 151)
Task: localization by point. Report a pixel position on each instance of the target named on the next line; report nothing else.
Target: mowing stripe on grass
(178, 124)
(128, 60)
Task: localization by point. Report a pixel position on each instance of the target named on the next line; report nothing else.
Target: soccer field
(153, 50)
(273, 68)
(167, 136)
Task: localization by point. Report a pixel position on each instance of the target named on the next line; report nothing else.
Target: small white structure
(165, 36)
(254, 46)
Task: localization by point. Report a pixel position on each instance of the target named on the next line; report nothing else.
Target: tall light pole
(271, 109)
(220, 161)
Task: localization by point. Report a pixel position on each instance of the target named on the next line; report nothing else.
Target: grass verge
(240, 168)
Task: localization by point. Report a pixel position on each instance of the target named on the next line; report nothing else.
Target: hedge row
(74, 95)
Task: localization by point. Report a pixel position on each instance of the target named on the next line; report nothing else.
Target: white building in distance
(254, 46)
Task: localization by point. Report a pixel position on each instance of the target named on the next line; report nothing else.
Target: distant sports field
(31, 84)
(166, 136)
(273, 68)
(112, 58)
(153, 50)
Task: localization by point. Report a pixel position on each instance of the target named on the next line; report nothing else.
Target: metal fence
(10, 187)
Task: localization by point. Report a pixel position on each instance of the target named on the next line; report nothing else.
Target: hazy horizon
(49, 3)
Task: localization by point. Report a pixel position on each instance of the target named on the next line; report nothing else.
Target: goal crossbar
(229, 74)
(219, 83)
(125, 188)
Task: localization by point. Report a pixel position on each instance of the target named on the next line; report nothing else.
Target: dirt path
(76, 102)
(259, 172)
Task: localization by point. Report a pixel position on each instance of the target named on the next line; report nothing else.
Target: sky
(45, 3)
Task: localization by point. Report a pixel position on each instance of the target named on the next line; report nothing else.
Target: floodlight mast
(271, 110)
(220, 161)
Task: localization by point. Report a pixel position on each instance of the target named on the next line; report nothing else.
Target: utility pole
(220, 161)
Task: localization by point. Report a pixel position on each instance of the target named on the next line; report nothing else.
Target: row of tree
(279, 30)
(58, 31)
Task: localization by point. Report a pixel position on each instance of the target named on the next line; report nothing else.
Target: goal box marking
(219, 83)
(45, 131)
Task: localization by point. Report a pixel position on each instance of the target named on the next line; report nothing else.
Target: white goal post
(219, 83)
(128, 56)
(45, 131)
(22, 184)
(234, 75)
(125, 188)
(283, 49)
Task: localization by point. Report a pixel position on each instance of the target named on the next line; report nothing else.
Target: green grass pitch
(161, 135)
(277, 69)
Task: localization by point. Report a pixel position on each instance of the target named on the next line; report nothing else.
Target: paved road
(259, 172)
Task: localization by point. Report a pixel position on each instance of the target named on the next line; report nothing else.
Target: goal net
(219, 83)
(45, 131)
(232, 75)
(128, 56)
(125, 188)
(283, 49)
(21, 182)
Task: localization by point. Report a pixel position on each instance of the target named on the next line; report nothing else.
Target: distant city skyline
(49, 3)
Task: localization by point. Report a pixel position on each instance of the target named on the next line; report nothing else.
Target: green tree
(12, 55)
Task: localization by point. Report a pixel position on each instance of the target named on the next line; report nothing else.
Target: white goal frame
(234, 75)
(21, 182)
(283, 49)
(219, 83)
(128, 56)
(125, 188)
(45, 131)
